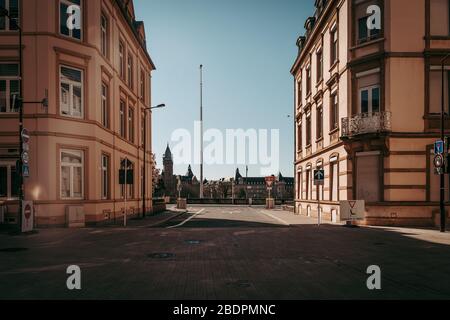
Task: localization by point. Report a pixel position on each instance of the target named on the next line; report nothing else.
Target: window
(104, 34)
(299, 137)
(9, 87)
(334, 112)
(130, 71)
(333, 45)
(369, 100)
(299, 186)
(142, 85)
(364, 34)
(439, 17)
(9, 181)
(435, 89)
(71, 96)
(122, 60)
(72, 172)
(105, 177)
(319, 124)
(13, 8)
(122, 119)
(308, 80)
(105, 106)
(131, 124)
(299, 92)
(368, 169)
(308, 130)
(143, 131)
(308, 184)
(129, 187)
(319, 57)
(64, 18)
(334, 174)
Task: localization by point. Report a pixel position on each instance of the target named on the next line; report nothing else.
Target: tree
(155, 174)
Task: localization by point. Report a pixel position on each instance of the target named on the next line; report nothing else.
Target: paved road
(226, 253)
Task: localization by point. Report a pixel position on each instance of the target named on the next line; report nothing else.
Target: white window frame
(122, 119)
(369, 89)
(122, 59)
(8, 92)
(70, 3)
(130, 75)
(71, 175)
(7, 20)
(105, 176)
(8, 165)
(105, 105)
(71, 86)
(130, 123)
(104, 34)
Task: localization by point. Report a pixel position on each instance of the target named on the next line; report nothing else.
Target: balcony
(366, 123)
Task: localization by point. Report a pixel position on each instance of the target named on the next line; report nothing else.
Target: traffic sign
(319, 177)
(352, 210)
(439, 147)
(438, 160)
(25, 135)
(26, 147)
(26, 171)
(25, 157)
(27, 216)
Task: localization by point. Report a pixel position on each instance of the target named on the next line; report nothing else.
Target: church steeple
(167, 154)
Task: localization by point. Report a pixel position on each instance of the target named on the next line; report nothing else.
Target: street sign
(319, 177)
(352, 210)
(25, 157)
(439, 147)
(130, 177)
(27, 216)
(26, 171)
(25, 135)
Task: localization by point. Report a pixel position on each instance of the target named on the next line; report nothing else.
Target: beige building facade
(97, 79)
(367, 105)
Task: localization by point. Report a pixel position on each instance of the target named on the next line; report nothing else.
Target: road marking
(187, 220)
(276, 218)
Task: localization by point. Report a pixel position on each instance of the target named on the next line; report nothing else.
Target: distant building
(167, 185)
(256, 188)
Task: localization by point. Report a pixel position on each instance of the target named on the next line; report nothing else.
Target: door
(368, 176)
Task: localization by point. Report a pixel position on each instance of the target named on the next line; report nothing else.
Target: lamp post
(144, 178)
(442, 177)
(201, 131)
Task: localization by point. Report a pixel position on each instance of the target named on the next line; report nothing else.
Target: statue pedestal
(270, 203)
(181, 204)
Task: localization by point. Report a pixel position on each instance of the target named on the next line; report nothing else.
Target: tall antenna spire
(201, 131)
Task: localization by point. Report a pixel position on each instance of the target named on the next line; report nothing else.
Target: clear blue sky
(247, 48)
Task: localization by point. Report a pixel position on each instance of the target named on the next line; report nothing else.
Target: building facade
(367, 105)
(97, 79)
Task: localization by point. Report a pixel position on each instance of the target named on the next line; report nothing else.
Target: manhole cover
(193, 241)
(11, 250)
(161, 255)
(239, 284)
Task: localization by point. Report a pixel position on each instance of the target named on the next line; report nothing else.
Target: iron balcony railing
(363, 123)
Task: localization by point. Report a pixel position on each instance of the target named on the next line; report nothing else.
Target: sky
(247, 48)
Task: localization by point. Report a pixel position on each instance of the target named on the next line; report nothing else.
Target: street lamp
(442, 180)
(144, 178)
